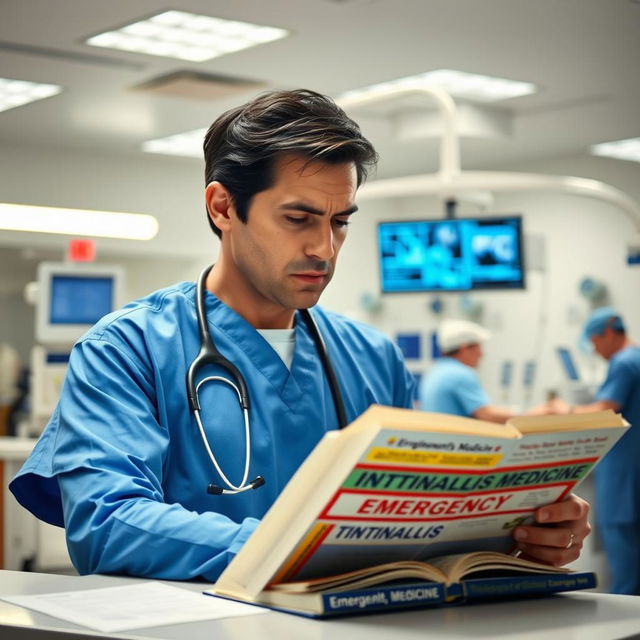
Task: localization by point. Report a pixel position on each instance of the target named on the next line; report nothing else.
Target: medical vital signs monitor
(458, 254)
(72, 297)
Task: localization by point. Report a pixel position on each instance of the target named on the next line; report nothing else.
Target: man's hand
(559, 541)
(554, 405)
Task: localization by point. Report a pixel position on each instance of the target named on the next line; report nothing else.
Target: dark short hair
(241, 146)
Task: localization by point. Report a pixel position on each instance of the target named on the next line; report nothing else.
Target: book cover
(399, 484)
(412, 594)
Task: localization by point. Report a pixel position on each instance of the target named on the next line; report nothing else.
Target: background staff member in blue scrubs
(451, 385)
(618, 474)
(121, 463)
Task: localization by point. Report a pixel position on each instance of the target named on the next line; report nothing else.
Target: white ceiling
(583, 54)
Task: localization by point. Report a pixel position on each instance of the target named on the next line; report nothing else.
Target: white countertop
(574, 616)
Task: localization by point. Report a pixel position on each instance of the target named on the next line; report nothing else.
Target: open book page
(445, 569)
(569, 422)
(458, 566)
(378, 574)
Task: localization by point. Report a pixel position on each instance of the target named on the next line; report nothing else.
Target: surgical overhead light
(460, 84)
(451, 181)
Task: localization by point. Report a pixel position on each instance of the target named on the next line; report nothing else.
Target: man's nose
(320, 244)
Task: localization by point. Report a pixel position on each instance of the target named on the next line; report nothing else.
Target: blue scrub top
(618, 473)
(450, 386)
(121, 463)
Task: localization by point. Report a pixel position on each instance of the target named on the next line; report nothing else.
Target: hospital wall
(570, 237)
(573, 236)
(168, 189)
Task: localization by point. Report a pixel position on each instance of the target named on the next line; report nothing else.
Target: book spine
(516, 586)
(388, 597)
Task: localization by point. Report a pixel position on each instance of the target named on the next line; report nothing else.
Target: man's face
(475, 354)
(604, 344)
(285, 255)
(470, 354)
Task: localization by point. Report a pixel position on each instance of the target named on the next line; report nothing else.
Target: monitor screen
(72, 297)
(451, 254)
(568, 364)
(80, 299)
(410, 344)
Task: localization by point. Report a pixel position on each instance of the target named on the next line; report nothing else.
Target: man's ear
(219, 205)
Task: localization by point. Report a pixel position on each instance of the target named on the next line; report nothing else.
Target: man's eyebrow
(300, 206)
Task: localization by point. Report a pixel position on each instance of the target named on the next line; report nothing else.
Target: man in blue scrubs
(121, 464)
(452, 385)
(618, 474)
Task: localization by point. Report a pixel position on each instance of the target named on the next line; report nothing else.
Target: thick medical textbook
(399, 509)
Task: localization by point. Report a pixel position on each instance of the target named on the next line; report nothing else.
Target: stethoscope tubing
(247, 456)
(209, 355)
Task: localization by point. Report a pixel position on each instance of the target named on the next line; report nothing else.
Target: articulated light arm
(474, 181)
(449, 143)
(451, 182)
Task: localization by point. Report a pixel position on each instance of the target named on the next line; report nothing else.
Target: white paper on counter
(146, 604)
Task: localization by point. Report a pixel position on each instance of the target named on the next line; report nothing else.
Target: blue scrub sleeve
(140, 535)
(618, 384)
(469, 392)
(404, 392)
(111, 454)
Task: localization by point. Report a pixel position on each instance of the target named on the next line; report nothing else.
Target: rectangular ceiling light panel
(77, 222)
(187, 36)
(460, 84)
(628, 149)
(15, 93)
(188, 144)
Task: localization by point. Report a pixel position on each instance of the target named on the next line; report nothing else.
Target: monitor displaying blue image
(72, 297)
(410, 344)
(451, 254)
(80, 299)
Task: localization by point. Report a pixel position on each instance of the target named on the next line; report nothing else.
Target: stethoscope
(209, 355)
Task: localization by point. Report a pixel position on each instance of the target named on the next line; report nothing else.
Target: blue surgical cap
(598, 321)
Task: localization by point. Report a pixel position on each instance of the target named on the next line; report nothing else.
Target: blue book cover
(413, 595)
(517, 586)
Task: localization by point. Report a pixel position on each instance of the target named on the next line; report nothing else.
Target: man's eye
(341, 222)
(296, 220)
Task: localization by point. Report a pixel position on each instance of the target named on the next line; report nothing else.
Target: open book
(443, 580)
(399, 485)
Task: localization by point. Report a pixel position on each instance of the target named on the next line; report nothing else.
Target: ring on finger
(571, 539)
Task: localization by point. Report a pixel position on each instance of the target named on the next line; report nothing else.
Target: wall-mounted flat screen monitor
(457, 254)
(72, 298)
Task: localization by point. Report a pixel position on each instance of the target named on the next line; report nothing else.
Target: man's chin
(307, 299)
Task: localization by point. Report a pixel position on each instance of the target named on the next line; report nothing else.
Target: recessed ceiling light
(188, 144)
(459, 84)
(628, 149)
(187, 36)
(77, 222)
(15, 93)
